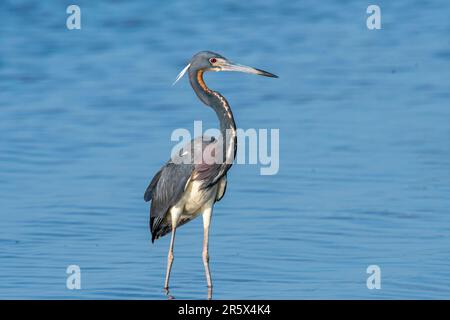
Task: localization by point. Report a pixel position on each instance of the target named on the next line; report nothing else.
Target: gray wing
(169, 183)
(165, 190)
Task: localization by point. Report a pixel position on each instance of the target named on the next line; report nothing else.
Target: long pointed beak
(228, 66)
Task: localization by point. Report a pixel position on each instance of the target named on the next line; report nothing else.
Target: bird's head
(210, 61)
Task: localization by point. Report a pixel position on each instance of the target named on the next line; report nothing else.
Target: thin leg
(205, 255)
(170, 259)
(175, 214)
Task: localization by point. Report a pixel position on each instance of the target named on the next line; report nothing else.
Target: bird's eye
(213, 60)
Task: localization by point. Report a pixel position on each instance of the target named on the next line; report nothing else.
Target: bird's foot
(167, 292)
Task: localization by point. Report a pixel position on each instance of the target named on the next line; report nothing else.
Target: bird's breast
(195, 198)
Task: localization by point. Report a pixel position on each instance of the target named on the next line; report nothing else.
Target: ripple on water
(363, 176)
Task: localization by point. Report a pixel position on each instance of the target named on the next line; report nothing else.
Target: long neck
(223, 111)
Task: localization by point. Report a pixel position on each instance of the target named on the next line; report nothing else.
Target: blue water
(364, 119)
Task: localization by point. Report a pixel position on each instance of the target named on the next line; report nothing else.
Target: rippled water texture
(364, 119)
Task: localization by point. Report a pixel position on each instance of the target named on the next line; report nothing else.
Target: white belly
(195, 200)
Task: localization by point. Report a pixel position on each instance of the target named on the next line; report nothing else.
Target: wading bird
(182, 190)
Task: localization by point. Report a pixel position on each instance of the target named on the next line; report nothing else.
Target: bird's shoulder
(193, 161)
(192, 151)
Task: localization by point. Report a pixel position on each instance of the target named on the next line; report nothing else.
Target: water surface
(86, 119)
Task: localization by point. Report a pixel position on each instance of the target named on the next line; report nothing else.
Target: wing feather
(168, 185)
(149, 191)
(166, 192)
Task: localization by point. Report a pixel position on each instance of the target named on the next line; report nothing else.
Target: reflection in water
(171, 297)
(210, 292)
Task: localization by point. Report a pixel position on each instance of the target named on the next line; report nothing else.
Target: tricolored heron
(181, 191)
